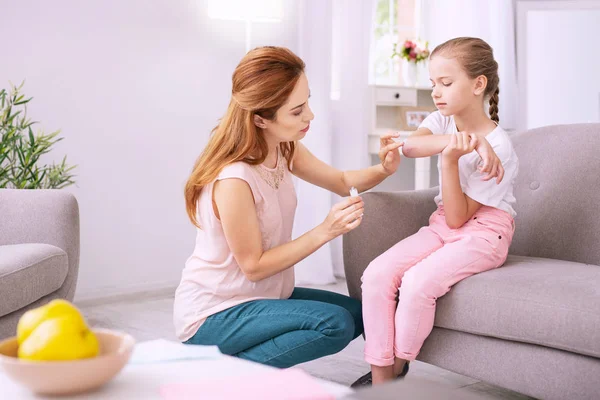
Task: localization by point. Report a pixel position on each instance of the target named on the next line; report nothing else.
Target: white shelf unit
(389, 105)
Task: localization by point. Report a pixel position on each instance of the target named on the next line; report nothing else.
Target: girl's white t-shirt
(488, 193)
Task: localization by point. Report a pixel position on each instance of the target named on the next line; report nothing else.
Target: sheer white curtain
(351, 107)
(333, 40)
(491, 20)
(314, 47)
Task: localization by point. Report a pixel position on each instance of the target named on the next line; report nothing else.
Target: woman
(237, 289)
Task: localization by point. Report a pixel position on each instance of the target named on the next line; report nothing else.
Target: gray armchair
(39, 251)
(533, 325)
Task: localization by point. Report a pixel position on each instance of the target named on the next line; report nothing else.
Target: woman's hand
(491, 164)
(389, 153)
(343, 217)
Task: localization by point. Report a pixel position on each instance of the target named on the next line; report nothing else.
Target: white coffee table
(142, 381)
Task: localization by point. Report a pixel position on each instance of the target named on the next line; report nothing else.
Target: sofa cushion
(544, 188)
(28, 272)
(542, 301)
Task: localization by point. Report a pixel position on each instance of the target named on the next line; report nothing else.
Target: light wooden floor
(149, 317)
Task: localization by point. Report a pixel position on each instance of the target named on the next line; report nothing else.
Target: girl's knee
(419, 284)
(379, 273)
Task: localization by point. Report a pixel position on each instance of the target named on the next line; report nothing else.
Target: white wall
(136, 86)
(563, 64)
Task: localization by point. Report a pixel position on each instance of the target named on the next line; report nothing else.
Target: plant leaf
(21, 149)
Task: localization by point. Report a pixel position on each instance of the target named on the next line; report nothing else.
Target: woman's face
(292, 120)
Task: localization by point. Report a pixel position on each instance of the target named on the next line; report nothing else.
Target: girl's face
(453, 90)
(292, 120)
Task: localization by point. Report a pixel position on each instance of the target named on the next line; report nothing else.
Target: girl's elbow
(408, 150)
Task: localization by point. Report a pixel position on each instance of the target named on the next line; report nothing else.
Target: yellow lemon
(60, 339)
(33, 318)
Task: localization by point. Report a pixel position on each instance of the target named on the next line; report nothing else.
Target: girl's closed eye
(298, 112)
(447, 84)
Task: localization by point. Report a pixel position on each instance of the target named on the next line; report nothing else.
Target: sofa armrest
(389, 218)
(43, 216)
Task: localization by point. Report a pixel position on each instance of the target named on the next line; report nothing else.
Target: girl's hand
(389, 153)
(461, 143)
(491, 164)
(343, 217)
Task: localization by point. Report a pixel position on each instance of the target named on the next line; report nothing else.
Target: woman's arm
(309, 168)
(458, 207)
(233, 204)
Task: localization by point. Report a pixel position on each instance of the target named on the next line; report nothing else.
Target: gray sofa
(39, 251)
(532, 326)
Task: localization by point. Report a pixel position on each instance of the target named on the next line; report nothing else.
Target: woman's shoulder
(238, 169)
(242, 171)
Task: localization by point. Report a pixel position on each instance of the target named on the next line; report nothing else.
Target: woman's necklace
(273, 176)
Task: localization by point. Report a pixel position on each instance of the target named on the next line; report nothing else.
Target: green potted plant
(21, 148)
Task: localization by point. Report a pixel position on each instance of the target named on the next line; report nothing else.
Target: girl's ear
(480, 85)
(259, 122)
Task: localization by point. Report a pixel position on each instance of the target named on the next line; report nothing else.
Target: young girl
(237, 289)
(472, 228)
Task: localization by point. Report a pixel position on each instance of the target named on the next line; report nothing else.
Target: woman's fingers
(389, 157)
(354, 224)
(353, 215)
(347, 202)
(388, 136)
(385, 151)
(352, 208)
(391, 147)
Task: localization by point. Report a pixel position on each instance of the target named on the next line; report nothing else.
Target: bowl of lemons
(56, 353)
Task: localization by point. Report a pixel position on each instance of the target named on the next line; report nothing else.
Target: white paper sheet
(162, 350)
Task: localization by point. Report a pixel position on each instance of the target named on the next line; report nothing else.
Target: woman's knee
(354, 307)
(340, 328)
